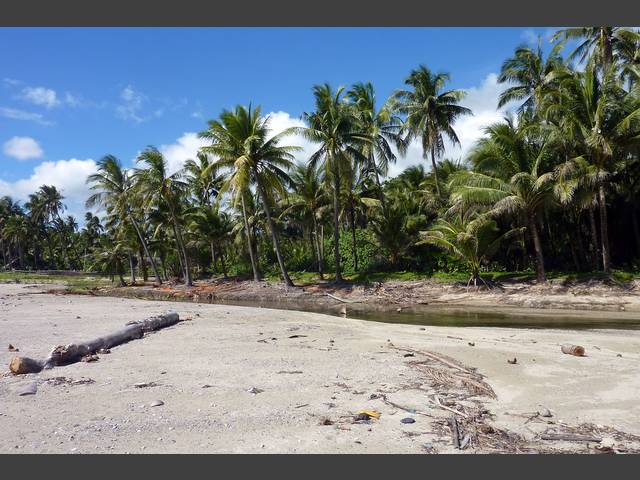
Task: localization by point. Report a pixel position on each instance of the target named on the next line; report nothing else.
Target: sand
(202, 371)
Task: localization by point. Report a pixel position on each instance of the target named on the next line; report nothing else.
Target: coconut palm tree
(507, 176)
(112, 190)
(242, 142)
(307, 200)
(382, 128)
(335, 128)
(603, 118)
(203, 178)
(163, 191)
(530, 76)
(469, 236)
(430, 113)
(603, 42)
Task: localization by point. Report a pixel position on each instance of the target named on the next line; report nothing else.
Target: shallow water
(451, 316)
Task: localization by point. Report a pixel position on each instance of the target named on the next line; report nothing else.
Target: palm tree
(241, 140)
(307, 200)
(356, 200)
(112, 189)
(203, 178)
(50, 203)
(603, 118)
(507, 176)
(530, 76)
(212, 227)
(335, 128)
(381, 127)
(471, 237)
(430, 112)
(604, 42)
(161, 190)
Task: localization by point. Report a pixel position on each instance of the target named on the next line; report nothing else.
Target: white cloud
(131, 106)
(185, 148)
(11, 82)
(16, 114)
(280, 121)
(483, 102)
(69, 176)
(40, 96)
(22, 148)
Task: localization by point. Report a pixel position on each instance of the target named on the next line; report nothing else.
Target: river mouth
(457, 316)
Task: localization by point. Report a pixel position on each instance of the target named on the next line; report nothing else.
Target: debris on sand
(407, 420)
(29, 389)
(326, 421)
(575, 350)
(156, 403)
(512, 362)
(90, 358)
(13, 349)
(255, 390)
(145, 384)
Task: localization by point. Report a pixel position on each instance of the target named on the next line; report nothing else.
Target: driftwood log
(64, 355)
(569, 349)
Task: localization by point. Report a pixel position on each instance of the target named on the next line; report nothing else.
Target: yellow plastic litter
(371, 413)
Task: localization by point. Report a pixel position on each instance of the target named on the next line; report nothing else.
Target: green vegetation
(550, 192)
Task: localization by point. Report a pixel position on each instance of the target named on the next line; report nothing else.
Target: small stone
(255, 390)
(157, 403)
(407, 420)
(545, 412)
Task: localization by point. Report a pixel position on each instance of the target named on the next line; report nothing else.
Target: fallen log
(64, 355)
(575, 350)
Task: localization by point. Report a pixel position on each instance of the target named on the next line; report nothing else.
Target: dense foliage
(553, 186)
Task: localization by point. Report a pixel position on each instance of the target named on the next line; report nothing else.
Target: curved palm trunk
(274, 233)
(538, 248)
(604, 234)
(146, 249)
(254, 264)
(435, 171)
(336, 225)
(183, 250)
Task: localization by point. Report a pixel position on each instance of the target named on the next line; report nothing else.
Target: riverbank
(593, 296)
(238, 379)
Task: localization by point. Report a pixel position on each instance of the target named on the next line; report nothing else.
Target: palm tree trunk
(132, 268)
(274, 232)
(604, 234)
(254, 265)
(354, 246)
(378, 185)
(595, 250)
(317, 246)
(120, 270)
(636, 228)
(183, 250)
(146, 249)
(336, 224)
(538, 248)
(213, 257)
(222, 264)
(435, 170)
(143, 264)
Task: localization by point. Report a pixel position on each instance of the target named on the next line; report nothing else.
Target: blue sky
(68, 96)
